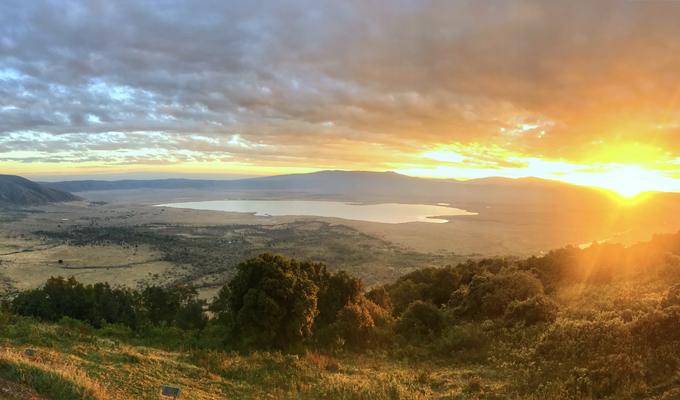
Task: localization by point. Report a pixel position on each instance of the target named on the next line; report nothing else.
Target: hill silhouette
(18, 191)
(379, 186)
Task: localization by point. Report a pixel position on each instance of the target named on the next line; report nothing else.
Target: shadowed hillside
(18, 191)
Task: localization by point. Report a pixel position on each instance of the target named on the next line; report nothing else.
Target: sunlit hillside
(594, 323)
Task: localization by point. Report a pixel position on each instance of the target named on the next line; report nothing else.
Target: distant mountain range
(18, 191)
(375, 186)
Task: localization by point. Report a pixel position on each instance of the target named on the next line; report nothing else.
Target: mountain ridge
(19, 191)
(378, 187)
(81, 185)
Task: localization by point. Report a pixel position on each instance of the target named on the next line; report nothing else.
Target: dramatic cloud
(349, 84)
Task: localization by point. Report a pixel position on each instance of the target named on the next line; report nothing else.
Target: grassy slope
(497, 362)
(72, 359)
(487, 360)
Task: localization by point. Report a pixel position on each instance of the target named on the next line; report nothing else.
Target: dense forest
(599, 322)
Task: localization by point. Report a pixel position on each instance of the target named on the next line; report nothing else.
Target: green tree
(178, 305)
(160, 304)
(336, 291)
(94, 304)
(380, 297)
(273, 301)
(433, 285)
(220, 304)
(190, 315)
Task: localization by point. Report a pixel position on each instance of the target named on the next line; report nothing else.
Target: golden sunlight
(626, 180)
(626, 169)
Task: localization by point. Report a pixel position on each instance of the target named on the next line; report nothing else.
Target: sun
(628, 181)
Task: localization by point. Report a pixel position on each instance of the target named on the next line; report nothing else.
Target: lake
(390, 213)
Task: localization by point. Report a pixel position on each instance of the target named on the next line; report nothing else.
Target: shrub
(380, 297)
(658, 327)
(190, 315)
(100, 304)
(420, 322)
(489, 295)
(358, 325)
(467, 341)
(355, 325)
(573, 340)
(405, 292)
(534, 310)
(433, 285)
(672, 297)
(607, 375)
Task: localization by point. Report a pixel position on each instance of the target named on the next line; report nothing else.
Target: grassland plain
(135, 246)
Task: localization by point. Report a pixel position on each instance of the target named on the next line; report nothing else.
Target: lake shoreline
(389, 213)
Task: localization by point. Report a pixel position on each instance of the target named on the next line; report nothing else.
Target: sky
(580, 91)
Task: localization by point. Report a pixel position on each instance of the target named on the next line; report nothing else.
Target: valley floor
(135, 245)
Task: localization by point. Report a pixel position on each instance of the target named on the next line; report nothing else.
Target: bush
(358, 325)
(116, 331)
(420, 322)
(672, 297)
(433, 285)
(380, 297)
(607, 376)
(595, 359)
(489, 295)
(405, 292)
(534, 310)
(355, 325)
(467, 340)
(658, 327)
(573, 340)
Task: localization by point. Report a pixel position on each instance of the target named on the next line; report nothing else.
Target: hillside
(595, 323)
(72, 361)
(18, 191)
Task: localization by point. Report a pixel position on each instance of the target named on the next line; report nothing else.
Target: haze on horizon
(583, 92)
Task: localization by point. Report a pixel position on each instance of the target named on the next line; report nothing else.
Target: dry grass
(121, 265)
(44, 366)
(105, 368)
(110, 369)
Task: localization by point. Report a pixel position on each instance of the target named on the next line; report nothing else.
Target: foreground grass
(62, 382)
(68, 361)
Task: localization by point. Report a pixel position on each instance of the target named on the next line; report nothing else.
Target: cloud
(338, 84)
